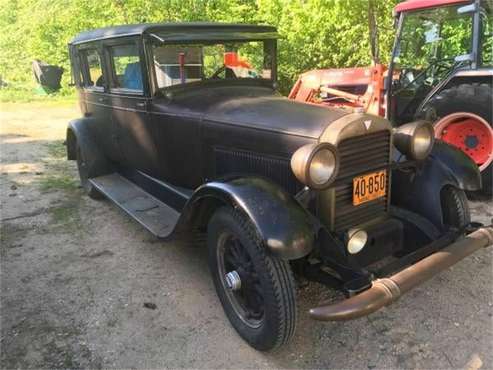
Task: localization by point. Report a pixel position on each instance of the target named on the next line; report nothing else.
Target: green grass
(57, 177)
(65, 214)
(26, 94)
(57, 149)
(58, 182)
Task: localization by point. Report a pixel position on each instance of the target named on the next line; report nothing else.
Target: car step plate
(157, 217)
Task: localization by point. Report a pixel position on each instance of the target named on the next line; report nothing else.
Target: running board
(157, 217)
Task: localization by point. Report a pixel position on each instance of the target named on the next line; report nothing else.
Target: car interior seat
(132, 77)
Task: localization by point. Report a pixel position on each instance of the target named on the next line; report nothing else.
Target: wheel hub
(471, 141)
(233, 280)
(470, 133)
(469, 136)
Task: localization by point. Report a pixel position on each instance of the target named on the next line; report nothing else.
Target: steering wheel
(218, 71)
(436, 67)
(410, 76)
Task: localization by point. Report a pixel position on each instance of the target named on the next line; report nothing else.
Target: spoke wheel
(246, 299)
(256, 290)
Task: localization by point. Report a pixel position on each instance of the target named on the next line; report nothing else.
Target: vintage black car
(184, 129)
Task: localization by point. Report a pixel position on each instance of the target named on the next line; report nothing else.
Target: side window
(127, 74)
(92, 71)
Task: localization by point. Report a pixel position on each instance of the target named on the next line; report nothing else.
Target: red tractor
(441, 70)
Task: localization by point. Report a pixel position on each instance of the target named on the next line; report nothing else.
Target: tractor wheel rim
(470, 133)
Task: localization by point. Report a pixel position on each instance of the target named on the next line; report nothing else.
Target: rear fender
(281, 222)
(420, 191)
(79, 133)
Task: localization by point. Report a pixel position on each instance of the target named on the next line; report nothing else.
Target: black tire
(273, 320)
(455, 207)
(84, 168)
(471, 98)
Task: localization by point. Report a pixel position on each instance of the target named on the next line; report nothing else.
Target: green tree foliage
(315, 33)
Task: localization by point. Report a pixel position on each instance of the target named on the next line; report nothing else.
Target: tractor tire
(463, 118)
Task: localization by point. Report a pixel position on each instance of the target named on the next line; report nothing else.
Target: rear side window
(127, 73)
(92, 69)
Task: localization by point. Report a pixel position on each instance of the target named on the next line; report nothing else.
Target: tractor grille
(358, 156)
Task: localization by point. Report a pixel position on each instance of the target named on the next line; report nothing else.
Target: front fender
(281, 222)
(419, 190)
(460, 166)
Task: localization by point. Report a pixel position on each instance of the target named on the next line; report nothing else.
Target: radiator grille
(360, 155)
(278, 169)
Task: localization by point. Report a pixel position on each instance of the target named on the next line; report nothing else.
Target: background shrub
(315, 33)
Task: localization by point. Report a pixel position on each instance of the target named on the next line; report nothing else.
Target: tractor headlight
(415, 139)
(315, 165)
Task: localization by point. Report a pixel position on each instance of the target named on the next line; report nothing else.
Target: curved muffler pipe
(387, 290)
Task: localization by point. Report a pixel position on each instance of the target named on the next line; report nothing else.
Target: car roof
(180, 31)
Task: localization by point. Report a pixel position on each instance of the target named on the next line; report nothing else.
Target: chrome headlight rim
(407, 139)
(422, 127)
(357, 239)
(302, 160)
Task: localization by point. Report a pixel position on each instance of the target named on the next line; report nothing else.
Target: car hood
(258, 108)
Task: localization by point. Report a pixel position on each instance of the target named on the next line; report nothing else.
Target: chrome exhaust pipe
(387, 290)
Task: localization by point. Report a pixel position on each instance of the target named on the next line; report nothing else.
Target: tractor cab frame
(441, 70)
(434, 41)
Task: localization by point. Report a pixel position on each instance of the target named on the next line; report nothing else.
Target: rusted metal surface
(386, 291)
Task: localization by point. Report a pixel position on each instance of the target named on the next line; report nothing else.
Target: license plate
(370, 186)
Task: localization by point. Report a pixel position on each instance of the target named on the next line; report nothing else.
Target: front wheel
(455, 207)
(256, 290)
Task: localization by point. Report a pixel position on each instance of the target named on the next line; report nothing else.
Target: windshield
(429, 43)
(245, 60)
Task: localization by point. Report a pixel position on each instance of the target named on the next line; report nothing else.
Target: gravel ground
(77, 275)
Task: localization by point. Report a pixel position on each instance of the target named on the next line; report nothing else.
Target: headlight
(415, 139)
(315, 165)
(357, 239)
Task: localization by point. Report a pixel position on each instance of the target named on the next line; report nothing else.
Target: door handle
(141, 105)
(102, 100)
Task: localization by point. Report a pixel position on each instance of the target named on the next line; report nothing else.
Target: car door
(94, 97)
(129, 98)
(177, 121)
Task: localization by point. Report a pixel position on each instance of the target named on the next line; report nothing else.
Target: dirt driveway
(76, 273)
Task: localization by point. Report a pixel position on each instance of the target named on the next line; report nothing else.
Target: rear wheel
(455, 207)
(84, 169)
(462, 116)
(256, 290)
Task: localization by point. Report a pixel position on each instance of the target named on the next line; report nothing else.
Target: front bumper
(387, 290)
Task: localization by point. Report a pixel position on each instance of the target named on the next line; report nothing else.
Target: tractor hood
(257, 108)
